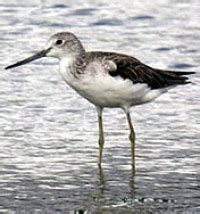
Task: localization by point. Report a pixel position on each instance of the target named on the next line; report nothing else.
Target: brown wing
(131, 68)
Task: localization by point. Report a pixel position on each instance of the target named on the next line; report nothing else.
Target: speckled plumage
(109, 79)
(133, 69)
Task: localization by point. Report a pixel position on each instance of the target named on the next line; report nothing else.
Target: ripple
(163, 49)
(60, 6)
(181, 66)
(109, 22)
(144, 17)
(84, 12)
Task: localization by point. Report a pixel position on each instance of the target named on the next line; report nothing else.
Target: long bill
(29, 59)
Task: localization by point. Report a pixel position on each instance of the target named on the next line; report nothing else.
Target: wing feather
(131, 68)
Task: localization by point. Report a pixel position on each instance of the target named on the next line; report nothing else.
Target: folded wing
(130, 68)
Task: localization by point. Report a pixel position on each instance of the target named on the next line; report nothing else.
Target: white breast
(66, 69)
(101, 89)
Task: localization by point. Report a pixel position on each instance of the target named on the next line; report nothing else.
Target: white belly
(103, 90)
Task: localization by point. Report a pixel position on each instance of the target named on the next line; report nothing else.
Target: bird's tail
(175, 77)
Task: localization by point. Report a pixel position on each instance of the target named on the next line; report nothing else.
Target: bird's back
(131, 68)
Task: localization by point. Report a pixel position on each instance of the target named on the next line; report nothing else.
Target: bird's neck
(72, 66)
(74, 62)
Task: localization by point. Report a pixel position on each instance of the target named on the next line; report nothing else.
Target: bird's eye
(59, 42)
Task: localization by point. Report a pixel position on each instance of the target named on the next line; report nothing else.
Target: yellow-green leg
(131, 137)
(101, 136)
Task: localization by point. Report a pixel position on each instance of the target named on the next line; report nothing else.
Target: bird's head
(60, 45)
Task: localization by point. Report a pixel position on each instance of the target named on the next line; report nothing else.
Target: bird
(107, 79)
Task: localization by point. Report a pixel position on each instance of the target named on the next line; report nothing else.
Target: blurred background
(48, 133)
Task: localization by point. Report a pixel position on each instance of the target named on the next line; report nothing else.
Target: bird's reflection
(103, 184)
(100, 195)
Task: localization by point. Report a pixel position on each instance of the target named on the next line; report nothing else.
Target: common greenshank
(107, 79)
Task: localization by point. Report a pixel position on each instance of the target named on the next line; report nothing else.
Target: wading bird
(107, 79)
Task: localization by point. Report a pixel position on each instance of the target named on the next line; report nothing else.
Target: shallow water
(48, 133)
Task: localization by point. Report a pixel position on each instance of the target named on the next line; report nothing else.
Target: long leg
(131, 136)
(101, 135)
